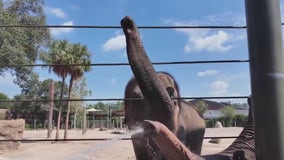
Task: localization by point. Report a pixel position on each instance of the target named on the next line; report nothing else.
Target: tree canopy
(31, 103)
(5, 105)
(21, 45)
(201, 106)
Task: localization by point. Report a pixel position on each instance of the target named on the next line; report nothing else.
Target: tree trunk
(60, 109)
(50, 113)
(84, 121)
(68, 107)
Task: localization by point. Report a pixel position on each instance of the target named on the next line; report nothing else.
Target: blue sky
(108, 45)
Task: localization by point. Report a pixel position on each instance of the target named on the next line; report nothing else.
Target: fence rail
(140, 27)
(121, 99)
(121, 64)
(105, 139)
(127, 64)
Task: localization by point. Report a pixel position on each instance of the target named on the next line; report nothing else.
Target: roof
(212, 105)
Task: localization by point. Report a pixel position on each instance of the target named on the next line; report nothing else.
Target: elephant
(160, 98)
(243, 148)
(162, 131)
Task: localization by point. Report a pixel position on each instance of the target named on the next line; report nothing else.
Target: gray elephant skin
(160, 94)
(168, 112)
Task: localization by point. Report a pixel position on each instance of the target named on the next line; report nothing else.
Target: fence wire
(127, 64)
(121, 99)
(120, 64)
(109, 139)
(140, 27)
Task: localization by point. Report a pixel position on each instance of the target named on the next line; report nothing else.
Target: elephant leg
(195, 141)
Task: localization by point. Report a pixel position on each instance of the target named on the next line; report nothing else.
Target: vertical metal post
(267, 76)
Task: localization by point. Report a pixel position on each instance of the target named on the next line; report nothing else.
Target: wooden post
(84, 121)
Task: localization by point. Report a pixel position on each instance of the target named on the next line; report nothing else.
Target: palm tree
(201, 106)
(57, 56)
(81, 56)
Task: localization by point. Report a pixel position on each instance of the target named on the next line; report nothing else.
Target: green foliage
(5, 105)
(62, 56)
(210, 123)
(105, 106)
(31, 108)
(240, 120)
(201, 106)
(228, 111)
(21, 45)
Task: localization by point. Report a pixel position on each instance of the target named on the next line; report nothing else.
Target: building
(214, 108)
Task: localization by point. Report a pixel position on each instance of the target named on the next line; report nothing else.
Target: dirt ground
(114, 149)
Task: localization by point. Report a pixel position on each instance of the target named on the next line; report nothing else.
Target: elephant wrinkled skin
(190, 123)
(243, 148)
(160, 94)
(169, 119)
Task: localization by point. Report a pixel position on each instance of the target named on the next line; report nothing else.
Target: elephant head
(151, 86)
(137, 109)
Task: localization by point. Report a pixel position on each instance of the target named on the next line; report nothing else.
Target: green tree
(5, 105)
(21, 45)
(229, 113)
(32, 105)
(99, 106)
(79, 91)
(79, 55)
(62, 56)
(201, 106)
(58, 58)
(29, 107)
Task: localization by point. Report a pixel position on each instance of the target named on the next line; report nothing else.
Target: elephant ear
(146, 76)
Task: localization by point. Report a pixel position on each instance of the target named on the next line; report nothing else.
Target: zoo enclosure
(266, 60)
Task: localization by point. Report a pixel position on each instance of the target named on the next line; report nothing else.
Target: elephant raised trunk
(169, 127)
(146, 77)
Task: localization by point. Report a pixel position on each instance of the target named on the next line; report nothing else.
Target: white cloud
(115, 43)
(211, 43)
(206, 39)
(207, 73)
(219, 88)
(58, 31)
(58, 12)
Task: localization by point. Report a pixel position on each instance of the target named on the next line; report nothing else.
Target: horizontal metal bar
(140, 27)
(126, 64)
(118, 27)
(100, 139)
(121, 99)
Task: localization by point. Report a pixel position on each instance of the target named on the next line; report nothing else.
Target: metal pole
(266, 69)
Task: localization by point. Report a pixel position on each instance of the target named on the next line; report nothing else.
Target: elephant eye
(170, 91)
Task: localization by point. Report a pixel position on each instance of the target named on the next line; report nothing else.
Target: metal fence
(252, 21)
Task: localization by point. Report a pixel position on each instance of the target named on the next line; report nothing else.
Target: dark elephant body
(191, 125)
